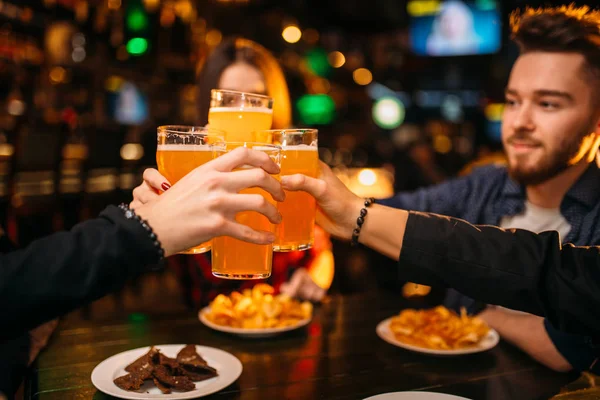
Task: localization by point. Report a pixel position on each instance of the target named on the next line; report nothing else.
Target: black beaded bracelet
(130, 214)
(360, 221)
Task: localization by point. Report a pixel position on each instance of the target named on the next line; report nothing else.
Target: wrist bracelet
(130, 214)
(360, 221)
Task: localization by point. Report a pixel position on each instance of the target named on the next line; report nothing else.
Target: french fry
(258, 308)
(438, 328)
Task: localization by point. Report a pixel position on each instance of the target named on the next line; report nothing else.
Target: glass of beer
(181, 149)
(238, 114)
(236, 259)
(299, 155)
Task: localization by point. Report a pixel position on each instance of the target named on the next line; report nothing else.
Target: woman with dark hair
(245, 66)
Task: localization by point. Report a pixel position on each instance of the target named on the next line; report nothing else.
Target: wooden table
(338, 356)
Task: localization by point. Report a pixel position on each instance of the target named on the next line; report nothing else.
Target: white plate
(227, 365)
(415, 396)
(249, 333)
(488, 342)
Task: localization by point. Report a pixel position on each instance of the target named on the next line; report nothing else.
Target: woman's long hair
(238, 49)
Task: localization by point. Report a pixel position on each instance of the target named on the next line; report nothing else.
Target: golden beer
(299, 155)
(175, 161)
(238, 114)
(239, 123)
(180, 150)
(236, 259)
(296, 231)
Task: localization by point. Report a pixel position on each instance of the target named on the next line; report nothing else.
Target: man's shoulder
(487, 176)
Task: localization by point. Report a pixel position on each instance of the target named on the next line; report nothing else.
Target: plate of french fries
(256, 312)
(438, 331)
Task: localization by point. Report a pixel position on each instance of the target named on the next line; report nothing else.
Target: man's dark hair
(568, 29)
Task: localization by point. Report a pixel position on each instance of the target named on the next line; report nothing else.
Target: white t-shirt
(537, 219)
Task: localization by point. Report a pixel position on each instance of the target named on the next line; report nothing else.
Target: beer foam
(184, 147)
(262, 110)
(264, 148)
(299, 147)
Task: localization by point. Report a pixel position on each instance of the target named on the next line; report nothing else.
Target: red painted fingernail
(165, 186)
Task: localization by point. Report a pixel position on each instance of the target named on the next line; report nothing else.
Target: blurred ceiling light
(82, 11)
(113, 83)
(493, 111)
(442, 144)
(213, 37)
(419, 8)
(114, 4)
(151, 5)
(6, 150)
(184, 9)
(291, 34)
(372, 182)
(16, 107)
(310, 36)
(452, 108)
(320, 85)
(132, 151)
(336, 59)
(74, 151)
(367, 177)
(137, 46)
(78, 40)
(167, 17)
(388, 112)
(58, 75)
(78, 54)
(362, 76)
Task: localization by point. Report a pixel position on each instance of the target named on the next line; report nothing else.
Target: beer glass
(238, 114)
(236, 259)
(299, 155)
(181, 149)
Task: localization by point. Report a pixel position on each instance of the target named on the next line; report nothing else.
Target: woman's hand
(302, 286)
(204, 203)
(154, 183)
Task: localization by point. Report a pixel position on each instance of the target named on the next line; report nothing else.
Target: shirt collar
(586, 190)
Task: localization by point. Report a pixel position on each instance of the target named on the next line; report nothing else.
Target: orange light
(362, 76)
(336, 59)
(291, 34)
(213, 37)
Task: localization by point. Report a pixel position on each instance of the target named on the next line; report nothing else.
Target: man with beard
(551, 134)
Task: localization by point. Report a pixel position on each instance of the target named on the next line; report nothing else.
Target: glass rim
(191, 130)
(257, 144)
(289, 131)
(237, 92)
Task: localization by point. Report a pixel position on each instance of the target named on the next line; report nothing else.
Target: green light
(138, 317)
(137, 46)
(317, 62)
(316, 109)
(388, 112)
(137, 20)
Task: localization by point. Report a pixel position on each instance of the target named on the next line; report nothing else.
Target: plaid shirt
(486, 196)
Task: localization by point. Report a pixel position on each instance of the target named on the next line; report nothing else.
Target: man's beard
(550, 166)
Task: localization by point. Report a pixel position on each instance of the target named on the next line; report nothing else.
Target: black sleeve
(517, 269)
(66, 270)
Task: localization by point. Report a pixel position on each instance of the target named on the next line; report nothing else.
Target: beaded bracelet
(360, 221)
(130, 214)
